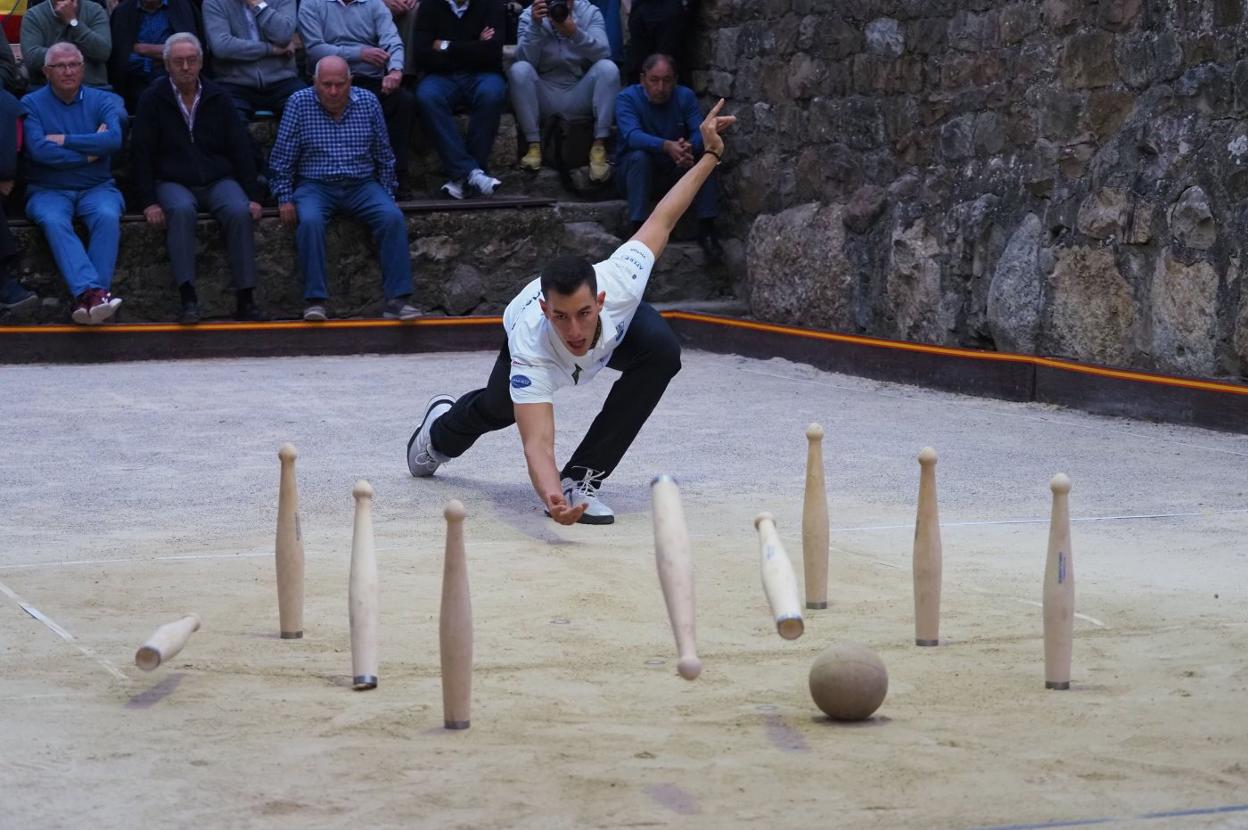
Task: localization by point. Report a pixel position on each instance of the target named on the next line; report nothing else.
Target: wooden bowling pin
(675, 564)
(815, 522)
(927, 556)
(289, 550)
(363, 592)
(455, 624)
(779, 580)
(1059, 590)
(165, 642)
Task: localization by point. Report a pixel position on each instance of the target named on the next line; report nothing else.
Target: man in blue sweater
(658, 141)
(71, 131)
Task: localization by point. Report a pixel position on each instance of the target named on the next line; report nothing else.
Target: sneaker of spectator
(398, 308)
(16, 298)
(481, 183)
(315, 313)
(599, 167)
(532, 159)
(454, 189)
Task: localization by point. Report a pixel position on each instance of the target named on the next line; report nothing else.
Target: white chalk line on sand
(57, 629)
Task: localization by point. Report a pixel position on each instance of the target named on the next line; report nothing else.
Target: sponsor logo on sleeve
(520, 381)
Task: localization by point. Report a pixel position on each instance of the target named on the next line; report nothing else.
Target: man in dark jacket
(461, 51)
(140, 29)
(191, 150)
(14, 297)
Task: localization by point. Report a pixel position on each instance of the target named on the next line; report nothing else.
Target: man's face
(64, 72)
(184, 64)
(659, 83)
(333, 89)
(575, 317)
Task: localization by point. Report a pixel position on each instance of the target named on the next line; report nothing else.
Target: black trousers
(648, 357)
(399, 109)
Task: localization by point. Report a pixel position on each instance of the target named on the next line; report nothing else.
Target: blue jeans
(485, 95)
(100, 209)
(642, 170)
(366, 200)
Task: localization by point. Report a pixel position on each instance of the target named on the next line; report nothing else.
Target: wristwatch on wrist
(73, 23)
(261, 6)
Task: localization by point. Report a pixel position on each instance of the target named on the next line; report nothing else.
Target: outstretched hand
(713, 125)
(561, 512)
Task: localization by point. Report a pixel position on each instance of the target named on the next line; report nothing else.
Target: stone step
(467, 258)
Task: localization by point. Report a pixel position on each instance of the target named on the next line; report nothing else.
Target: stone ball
(848, 681)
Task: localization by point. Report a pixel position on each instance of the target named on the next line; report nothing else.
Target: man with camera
(563, 67)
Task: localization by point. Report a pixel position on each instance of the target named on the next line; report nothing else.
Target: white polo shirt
(540, 362)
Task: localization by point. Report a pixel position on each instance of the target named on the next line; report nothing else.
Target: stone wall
(1062, 177)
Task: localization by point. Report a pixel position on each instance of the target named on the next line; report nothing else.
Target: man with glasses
(191, 150)
(83, 24)
(71, 133)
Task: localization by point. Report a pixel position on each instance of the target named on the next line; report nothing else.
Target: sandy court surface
(133, 493)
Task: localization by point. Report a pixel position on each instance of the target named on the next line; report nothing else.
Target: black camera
(558, 10)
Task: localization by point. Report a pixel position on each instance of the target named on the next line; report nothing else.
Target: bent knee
(605, 70)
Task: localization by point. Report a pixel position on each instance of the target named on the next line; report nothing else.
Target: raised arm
(658, 227)
(537, 433)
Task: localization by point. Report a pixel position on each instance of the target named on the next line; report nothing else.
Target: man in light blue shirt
(332, 154)
(71, 133)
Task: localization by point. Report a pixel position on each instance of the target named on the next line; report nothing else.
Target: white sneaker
(422, 459)
(585, 491)
(454, 189)
(482, 182)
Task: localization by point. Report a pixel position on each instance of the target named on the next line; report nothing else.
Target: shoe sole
(81, 316)
(587, 519)
(428, 408)
(104, 310)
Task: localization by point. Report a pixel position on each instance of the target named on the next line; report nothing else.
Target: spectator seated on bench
(459, 45)
(140, 29)
(83, 24)
(72, 132)
(252, 43)
(659, 138)
(332, 154)
(191, 150)
(362, 33)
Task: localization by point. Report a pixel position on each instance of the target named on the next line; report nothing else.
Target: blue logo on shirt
(520, 381)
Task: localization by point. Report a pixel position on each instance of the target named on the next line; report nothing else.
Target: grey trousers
(226, 201)
(533, 98)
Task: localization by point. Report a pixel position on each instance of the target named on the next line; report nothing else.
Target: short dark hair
(565, 274)
(657, 58)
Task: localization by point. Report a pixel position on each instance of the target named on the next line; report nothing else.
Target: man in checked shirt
(332, 153)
